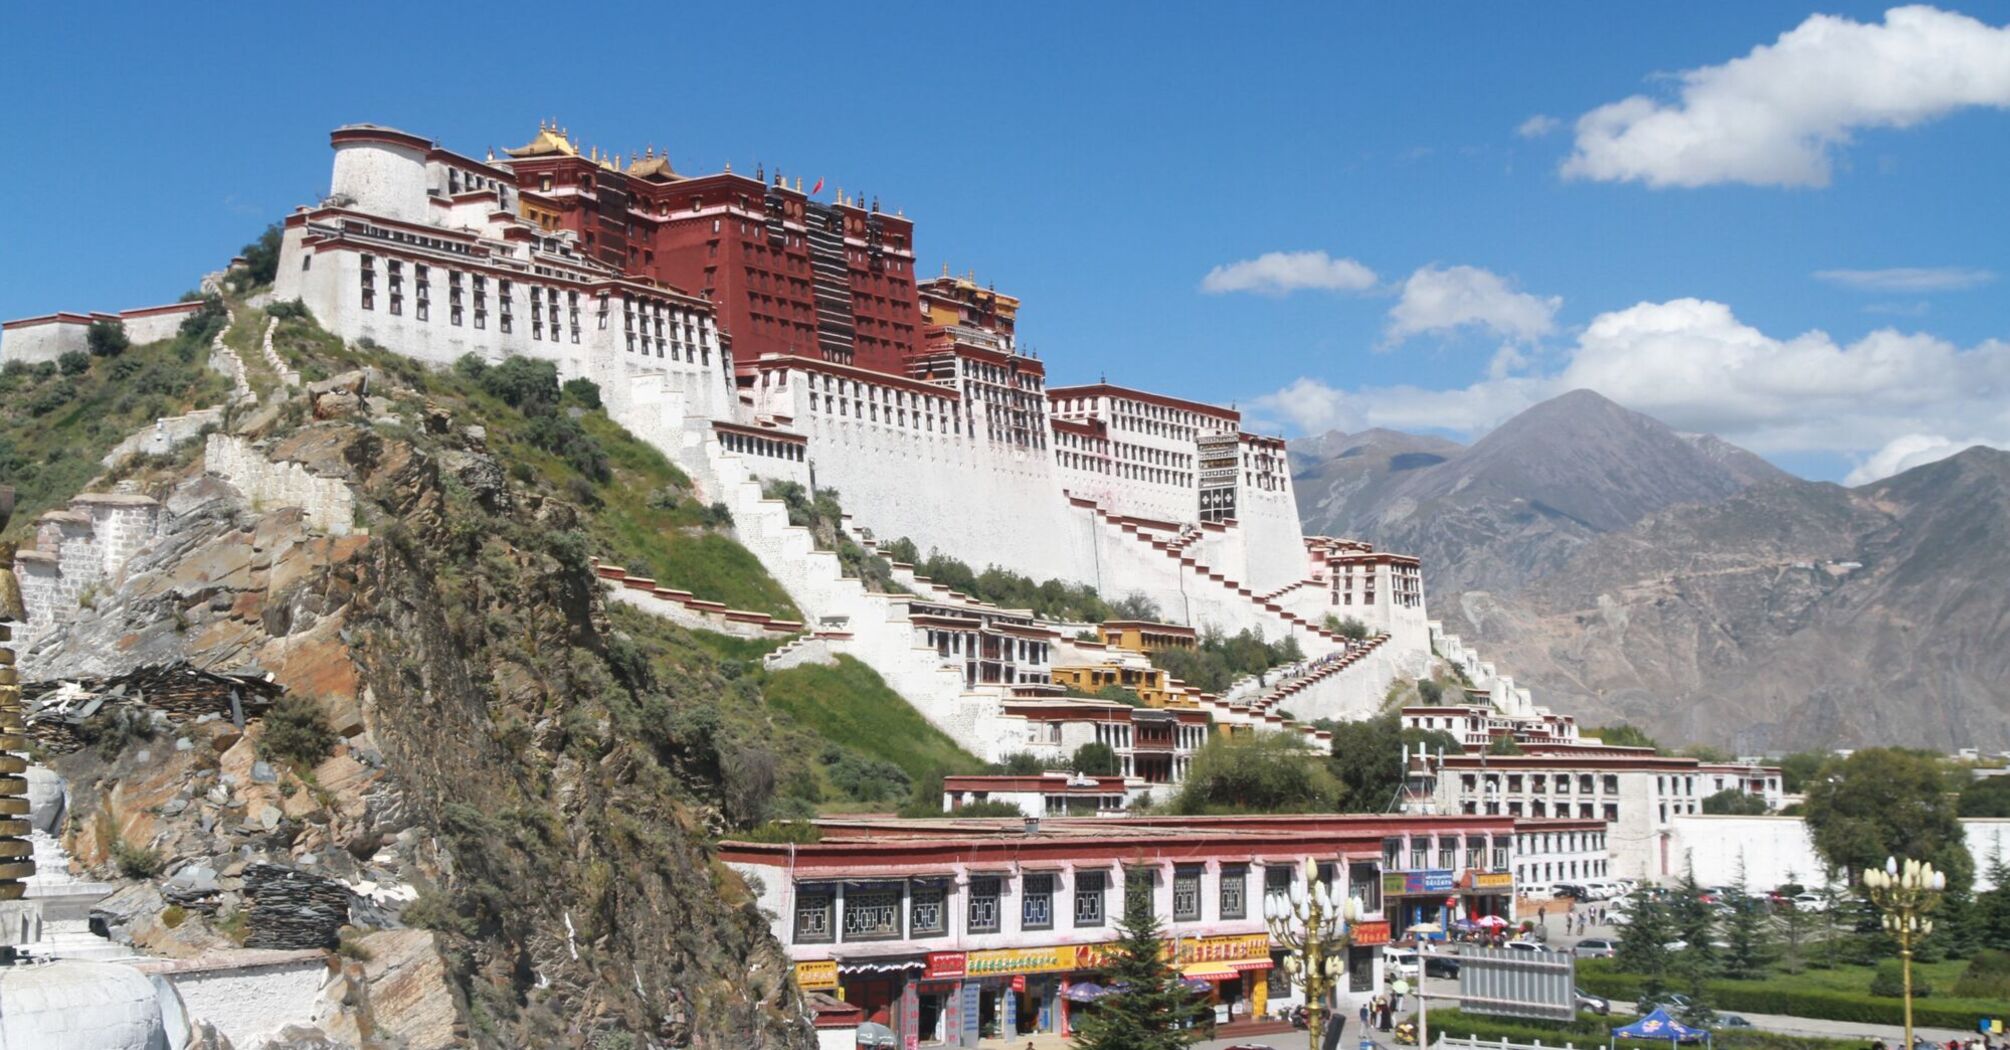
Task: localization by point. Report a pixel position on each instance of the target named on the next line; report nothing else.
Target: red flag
(818, 188)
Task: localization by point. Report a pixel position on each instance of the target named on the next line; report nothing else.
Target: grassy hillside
(58, 420)
(851, 707)
(645, 515)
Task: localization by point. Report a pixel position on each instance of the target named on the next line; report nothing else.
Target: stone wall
(164, 435)
(80, 549)
(36, 340)
(328, 503)
(250, 996)
(1775, 850)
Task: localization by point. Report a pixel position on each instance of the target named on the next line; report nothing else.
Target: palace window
(1089, 886)
(813, 914)
(872, 913)
(984, 915)
(926, 912)
(1186, 895)
(1036, 906)
(1364, 883)
(1234, 903)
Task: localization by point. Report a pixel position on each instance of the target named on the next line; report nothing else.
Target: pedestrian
(1542, 916)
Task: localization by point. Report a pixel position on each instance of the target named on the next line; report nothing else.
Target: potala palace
(756, 334)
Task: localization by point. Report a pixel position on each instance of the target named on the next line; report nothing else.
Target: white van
(1399, 962)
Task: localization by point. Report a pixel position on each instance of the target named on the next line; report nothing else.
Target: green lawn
(1840, 993)
(851, 706)
(1590, 1030)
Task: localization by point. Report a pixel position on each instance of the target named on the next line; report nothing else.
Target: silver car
(1595, 948)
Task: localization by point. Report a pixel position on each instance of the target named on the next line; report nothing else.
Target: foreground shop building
(950, 930)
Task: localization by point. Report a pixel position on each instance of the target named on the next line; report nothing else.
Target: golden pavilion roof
(550, 142)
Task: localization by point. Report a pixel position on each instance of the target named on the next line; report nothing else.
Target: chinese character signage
(1366, 934)
(817, 976)
(1491, 880)
(945, 964)
(1407, 883)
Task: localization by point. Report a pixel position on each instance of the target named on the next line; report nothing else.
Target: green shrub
(288, 310)
(583, 392)
(1889, 982)
(106, 339)
(1987, 976)
(136, 862)
(73, 363)
(296, 732)
(990, 807)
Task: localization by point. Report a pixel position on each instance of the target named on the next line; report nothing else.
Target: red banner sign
(945, 964)
(1369, 933)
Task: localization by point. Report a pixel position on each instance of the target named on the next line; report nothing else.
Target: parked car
(1526, 946)
(1814, 902)
(1400, 962)
(1595, 948)
(1571, 890)
(1436, 965)
(1673, 1002)
(1594, 1003)
(1732, 1021)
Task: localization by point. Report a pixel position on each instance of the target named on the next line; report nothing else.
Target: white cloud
(1912, 279)
(1438, 299)
(1537, 126)
(1905, 452)
(1280, 273)
(1776, 116)
(1694, 365)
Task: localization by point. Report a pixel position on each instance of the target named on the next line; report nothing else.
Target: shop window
(984, 915)
(813, 915)
(1277, 879)
(1089, 887)
(1234, 892)
(1186, 895)
(872, 913)
(1036, 903)
(927, 915)
(1365, 882)
(1278, 978)
(1360, 969)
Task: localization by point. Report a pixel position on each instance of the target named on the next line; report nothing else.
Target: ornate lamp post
(1313, 928)
(1906, 893)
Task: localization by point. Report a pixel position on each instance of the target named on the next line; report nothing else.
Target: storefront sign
(1491, 880)
(1000, 961)
(817, 976)
(1224, 949)
(945, 964)
(1366, 934)
(1433, 880)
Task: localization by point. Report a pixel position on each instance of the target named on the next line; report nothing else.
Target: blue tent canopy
(1658, 1025)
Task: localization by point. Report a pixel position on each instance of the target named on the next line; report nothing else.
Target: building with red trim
(948, 930)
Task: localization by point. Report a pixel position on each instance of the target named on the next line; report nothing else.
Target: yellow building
(1144, 636)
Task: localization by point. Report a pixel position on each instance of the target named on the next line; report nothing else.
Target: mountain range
(1629, 572)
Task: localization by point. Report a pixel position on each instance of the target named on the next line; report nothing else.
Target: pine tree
(1745, 932)
(1694, 965)
(1992, 909)
(1796, 927)
(1643, 947)
(1152, 1011)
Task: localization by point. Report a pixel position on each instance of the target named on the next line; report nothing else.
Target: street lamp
(1313, 928)
(1906, 893)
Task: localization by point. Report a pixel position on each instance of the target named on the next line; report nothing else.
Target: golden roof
(652, 165)
(550, 141)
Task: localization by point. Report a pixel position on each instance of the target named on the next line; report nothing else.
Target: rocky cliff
(513, 790)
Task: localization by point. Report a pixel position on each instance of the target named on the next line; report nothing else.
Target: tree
(1696, 963)
(1796, 928)
(1350, 628)
(1797, 769)
(261, 260)
(106, 339)
(1154, 1011)
(1745, 932)
(1987, 797)
(1503, 744)
(1430, 692)
(1732, 802)
(1643, 946)
(1367, 758)
(1623, 735)
(1095, 760)
(1992, 909)
(583, 391)
(1886, 802)
(73, 363)
(1020, 764)
(1257, 773)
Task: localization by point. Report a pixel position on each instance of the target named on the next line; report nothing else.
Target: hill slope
(1678, 582)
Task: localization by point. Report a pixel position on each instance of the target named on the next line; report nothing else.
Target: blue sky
(1101, 160)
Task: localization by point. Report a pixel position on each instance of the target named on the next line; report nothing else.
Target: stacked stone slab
(17, 853)
(293, 909)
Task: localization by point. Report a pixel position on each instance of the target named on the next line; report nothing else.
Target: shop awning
(1213, 971)
(1241, 965)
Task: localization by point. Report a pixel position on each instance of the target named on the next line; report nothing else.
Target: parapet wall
(329, 504)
